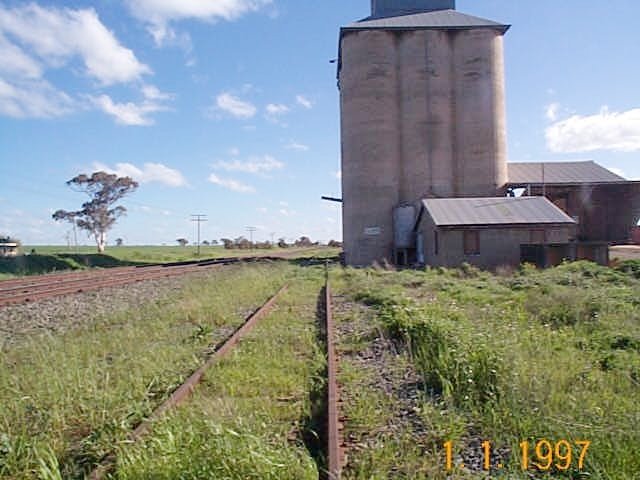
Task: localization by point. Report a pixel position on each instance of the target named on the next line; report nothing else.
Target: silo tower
(422, 116)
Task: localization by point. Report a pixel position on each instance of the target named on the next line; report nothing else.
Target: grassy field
(55, 258)
(535, 355)
(65, 400)
(427, 357)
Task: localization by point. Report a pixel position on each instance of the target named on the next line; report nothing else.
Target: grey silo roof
(560, 173)
(440, 19)
(451, 212)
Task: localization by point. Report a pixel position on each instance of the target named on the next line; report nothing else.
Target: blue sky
(230, 107)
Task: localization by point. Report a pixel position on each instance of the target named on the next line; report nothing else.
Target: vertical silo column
(440, 106)
(480, 139)
(500, 111)
(370, 144)
(414, 115)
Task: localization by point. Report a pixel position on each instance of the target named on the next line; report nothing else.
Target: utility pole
(199, 218)
(251, 230)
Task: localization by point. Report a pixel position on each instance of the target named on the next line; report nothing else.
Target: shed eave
(505, 225)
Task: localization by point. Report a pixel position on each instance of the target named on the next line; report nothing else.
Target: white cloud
(235, 106)
(304, 101)
(158, 14)
(149, 173)
(276, 109)
(33, 99)
(35, 39)
(287, 213)
(255, 165)
(613, 131)
(293, 145)
(129, 113)
(337, 174)
(231, 184)
(234, 151)
(151, 92)
(14, 60)
(551, 111)
(283, 204)
(56, 35)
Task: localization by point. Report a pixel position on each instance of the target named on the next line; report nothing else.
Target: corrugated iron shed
(449, 212)
(560, 173)
(441, 19)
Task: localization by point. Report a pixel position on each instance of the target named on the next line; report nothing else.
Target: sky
(230, 108)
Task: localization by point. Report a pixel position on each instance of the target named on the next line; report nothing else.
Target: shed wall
(498, 246)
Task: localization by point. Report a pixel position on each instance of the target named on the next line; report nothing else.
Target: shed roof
(449, 212)
(560, 173)
(439, 19)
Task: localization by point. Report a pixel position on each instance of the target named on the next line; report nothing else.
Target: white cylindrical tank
(404, 217)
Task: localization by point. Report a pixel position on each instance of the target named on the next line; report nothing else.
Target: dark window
(436, 243)
(472, 242)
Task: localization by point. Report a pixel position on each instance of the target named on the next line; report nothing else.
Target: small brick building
(493, 232)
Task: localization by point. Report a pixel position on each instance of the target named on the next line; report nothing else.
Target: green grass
(56, 258)
(540, 354)
(253, 411)
(65, 400)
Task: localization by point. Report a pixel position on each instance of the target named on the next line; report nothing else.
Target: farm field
(425, 358)
(56, 258)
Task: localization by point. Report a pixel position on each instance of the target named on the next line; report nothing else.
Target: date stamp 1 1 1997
(543, 455)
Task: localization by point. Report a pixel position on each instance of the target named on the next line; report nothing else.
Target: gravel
(387, 370)
(61, 314)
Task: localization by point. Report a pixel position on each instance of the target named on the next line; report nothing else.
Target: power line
(199, 218)
(251, 230)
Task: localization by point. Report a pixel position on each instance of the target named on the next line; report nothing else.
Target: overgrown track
(335, 454)
(184, 391)
(41, 287)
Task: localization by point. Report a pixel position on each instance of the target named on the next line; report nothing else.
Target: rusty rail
(63, 286)
(334, 440)
(32, 289)
(182, 393)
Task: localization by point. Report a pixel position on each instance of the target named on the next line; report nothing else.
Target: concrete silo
(422, 115)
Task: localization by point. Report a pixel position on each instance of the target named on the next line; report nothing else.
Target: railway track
(184, 391)
(335, 451)
(36, 288)
(33, 289)
(333, 441)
